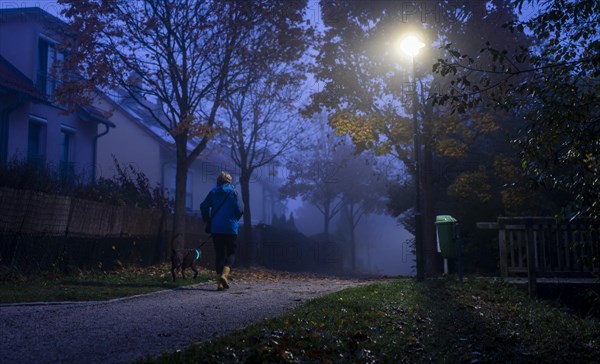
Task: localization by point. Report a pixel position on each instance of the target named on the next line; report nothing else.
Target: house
(37, 129)
(33, 126)
(140, 142)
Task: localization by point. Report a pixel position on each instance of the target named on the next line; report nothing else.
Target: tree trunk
(180, 193)
(429, 233)
(326, 219)
(353, 245)
(251, 248)
(428, 209)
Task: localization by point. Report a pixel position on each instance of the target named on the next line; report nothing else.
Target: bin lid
(442, 219)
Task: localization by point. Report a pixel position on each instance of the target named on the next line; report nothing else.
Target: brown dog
(182, 259)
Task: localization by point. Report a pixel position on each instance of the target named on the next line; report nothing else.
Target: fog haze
(381, 243)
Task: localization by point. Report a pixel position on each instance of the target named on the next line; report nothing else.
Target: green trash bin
(445, 235)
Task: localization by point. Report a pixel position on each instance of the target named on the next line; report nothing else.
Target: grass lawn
(437, 321)
(91, 285)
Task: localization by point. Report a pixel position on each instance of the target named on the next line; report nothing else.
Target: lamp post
(411, 45)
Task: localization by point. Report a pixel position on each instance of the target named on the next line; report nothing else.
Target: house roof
(12, 80)
(118, 105)
(143, 117)
(34, 11)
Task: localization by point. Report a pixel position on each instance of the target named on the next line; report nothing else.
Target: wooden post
(531, 276)
(503, 255)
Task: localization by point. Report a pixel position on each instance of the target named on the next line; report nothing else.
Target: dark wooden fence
(542, 247)
(41, 231)
(556, 249)
(292, 251)
(30, 212)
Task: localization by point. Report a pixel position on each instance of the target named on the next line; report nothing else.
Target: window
(48, 56)
(36, 142)
(67, 167)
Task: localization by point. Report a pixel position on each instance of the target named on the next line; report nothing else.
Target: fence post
(502, 247)
(531, 276)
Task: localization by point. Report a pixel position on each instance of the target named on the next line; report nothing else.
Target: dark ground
(123, 330)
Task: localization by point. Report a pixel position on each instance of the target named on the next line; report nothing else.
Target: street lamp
(411, 45)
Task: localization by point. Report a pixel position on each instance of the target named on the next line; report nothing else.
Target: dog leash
(198, 252)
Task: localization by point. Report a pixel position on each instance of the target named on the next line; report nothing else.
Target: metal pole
(458, 242)
(417, 155)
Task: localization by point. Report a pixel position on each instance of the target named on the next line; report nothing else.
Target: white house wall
(130, 143)
(17, 141)
(54, 121)
(204, 175)
(204, 178)
(19, 44)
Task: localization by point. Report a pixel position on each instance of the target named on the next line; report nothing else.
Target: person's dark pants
(225, 247)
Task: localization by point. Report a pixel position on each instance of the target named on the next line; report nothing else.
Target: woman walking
(221, 212)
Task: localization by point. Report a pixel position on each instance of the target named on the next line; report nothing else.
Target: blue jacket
(227, 217)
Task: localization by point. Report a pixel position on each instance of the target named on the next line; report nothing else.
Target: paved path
(123, 330)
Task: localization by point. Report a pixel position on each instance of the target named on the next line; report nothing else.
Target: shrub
(128, 187)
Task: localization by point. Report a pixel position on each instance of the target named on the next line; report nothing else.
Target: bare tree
(315, 175)
(185, 55)
(364, 190)
(262, 125)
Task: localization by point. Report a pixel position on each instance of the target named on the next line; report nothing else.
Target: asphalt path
(128, 329)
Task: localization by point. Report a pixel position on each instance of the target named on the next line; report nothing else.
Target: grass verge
(90, 285)
(410, 322)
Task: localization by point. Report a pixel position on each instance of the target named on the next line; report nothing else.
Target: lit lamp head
(411, 45)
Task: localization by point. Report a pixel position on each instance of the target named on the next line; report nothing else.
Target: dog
(184, 258)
